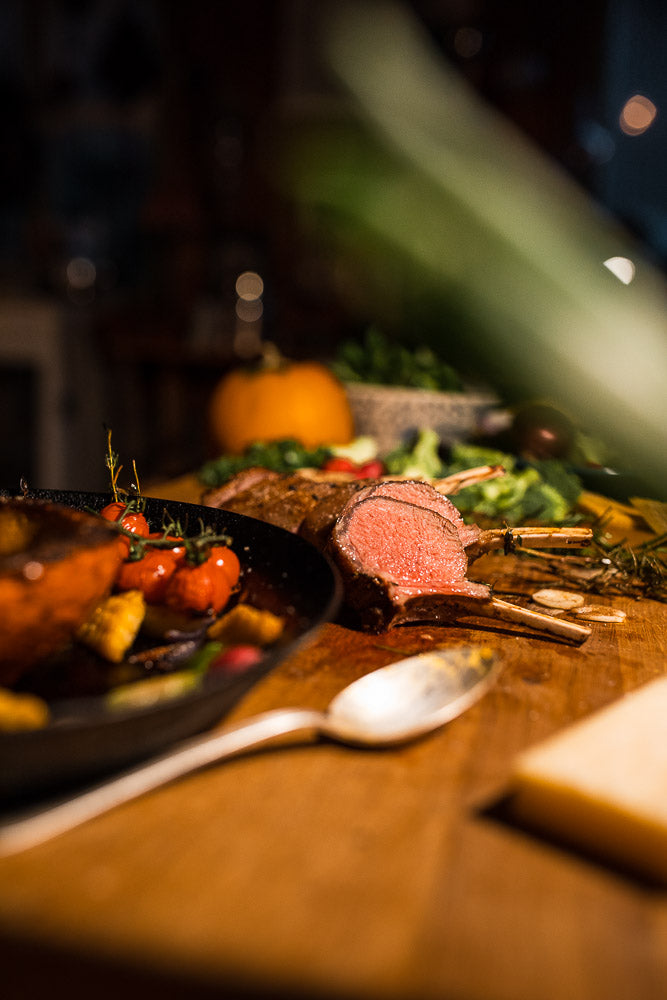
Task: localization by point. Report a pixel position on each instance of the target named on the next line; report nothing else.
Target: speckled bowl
(393, 414)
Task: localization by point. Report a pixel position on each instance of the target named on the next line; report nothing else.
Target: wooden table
(320, 871)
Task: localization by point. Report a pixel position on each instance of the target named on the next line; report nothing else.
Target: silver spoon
(391, 705)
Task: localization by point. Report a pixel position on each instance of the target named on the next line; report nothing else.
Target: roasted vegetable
(21, 711)
(246, 624)
(114, 625)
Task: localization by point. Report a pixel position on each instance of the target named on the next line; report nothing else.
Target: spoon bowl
(391, 705)
(411, 697)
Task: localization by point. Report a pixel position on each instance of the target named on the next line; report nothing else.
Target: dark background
(136, 184)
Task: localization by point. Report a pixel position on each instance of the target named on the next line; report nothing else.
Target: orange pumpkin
(296, 399)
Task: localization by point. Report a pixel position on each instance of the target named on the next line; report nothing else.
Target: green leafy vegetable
(279, 456)
(543, 492)
(419, 459)
(379, 361)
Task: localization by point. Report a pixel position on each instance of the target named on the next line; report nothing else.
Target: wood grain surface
(327, 872)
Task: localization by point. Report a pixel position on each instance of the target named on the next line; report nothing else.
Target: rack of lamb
(401, 546)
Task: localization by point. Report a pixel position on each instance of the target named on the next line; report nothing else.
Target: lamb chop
(401, 546)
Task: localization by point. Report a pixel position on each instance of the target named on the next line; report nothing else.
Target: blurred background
(142, 175)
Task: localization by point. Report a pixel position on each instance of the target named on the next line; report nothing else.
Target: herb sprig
(619, 568)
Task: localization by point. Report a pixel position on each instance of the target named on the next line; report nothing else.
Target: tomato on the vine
(225, 557)
(178, 548)
(133, 520)
(198, 589)
(150, 574)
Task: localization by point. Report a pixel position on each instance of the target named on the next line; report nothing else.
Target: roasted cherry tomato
(198, 589)
(178, 550)
(225, 557)
(150, 574)
(133, 521)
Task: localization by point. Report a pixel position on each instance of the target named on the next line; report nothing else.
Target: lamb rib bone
(508, 539)
(450, 608)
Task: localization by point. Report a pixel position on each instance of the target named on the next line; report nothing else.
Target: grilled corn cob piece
(114, 624)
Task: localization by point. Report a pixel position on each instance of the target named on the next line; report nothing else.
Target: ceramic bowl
(393, 414)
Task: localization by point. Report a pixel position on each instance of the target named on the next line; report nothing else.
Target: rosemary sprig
(635, 571)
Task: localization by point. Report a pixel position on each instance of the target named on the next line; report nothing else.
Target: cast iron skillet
(282, 572)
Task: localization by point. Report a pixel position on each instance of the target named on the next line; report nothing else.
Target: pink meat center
(422, 495)
(412, 547)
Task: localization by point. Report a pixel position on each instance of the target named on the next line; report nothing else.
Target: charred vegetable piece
(245, 624)
(114, 625)
(21, 711)
(141, 694)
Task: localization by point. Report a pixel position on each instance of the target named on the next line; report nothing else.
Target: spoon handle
(27, 831)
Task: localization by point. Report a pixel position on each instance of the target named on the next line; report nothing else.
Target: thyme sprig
(112, 462)
(172, 533)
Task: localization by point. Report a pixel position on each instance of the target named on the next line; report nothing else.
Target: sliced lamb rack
(401, 545)
(394, 555)
(402, 562)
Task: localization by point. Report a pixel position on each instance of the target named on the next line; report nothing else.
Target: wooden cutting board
(322, 871)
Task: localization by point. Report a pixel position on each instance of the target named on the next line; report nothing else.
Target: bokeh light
(637, 115)
(622, 267)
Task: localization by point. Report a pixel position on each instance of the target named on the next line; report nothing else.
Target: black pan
(282, 572)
